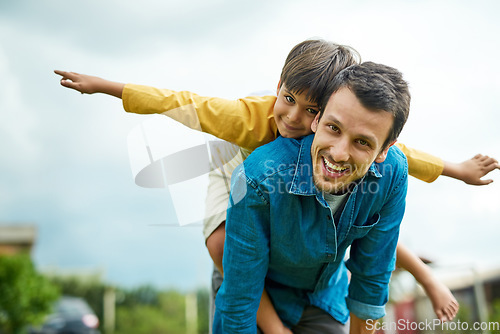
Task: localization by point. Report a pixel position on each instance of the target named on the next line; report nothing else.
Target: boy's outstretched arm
(444, 303)
(472, 170)
(251, 119)
(89, 84)
(428, 168)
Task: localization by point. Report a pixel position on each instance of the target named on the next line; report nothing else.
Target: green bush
(26, 297)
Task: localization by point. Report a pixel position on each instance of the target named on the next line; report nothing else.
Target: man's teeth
(333, 168)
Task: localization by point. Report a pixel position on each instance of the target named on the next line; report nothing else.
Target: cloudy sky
(65, 161)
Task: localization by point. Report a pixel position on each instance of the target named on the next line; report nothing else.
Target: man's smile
(333, 170)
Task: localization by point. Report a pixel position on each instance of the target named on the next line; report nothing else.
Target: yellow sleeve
(247, 122)
(421, 165)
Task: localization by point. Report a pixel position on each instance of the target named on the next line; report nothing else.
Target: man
(297, 205)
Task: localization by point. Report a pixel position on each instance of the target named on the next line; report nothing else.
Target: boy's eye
(312, 111)
(363, 142)
(289, 99)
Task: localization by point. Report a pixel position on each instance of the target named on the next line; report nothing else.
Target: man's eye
(334, 128)
(312, 111)
(289, 99)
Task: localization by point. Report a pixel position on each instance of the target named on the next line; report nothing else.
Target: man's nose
(340, 151)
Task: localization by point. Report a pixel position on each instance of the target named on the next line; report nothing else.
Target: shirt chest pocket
(359, 231)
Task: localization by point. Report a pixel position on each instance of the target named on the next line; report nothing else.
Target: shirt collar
(373, 170)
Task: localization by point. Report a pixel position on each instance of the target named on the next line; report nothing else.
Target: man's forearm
(245, 260)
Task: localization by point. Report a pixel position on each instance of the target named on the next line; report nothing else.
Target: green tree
(25, 295)
(149, 310)
(142, 295)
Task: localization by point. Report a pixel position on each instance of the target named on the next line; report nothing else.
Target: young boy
(255, 121)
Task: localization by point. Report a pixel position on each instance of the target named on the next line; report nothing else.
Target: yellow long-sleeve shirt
(247, 122)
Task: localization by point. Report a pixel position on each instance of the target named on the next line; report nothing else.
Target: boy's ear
(314, 124)
(382, 155)
(279, 87)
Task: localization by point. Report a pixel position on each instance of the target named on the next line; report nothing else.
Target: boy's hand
(80, 82)
(471, 171)
(89, 84)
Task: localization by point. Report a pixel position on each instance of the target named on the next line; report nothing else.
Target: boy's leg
(217, 199)
(219, 181)
(214, 223)
(315, 320)
(214, 231)
(215, 245)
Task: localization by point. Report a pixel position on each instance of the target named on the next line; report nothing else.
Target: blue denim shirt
(280, 234)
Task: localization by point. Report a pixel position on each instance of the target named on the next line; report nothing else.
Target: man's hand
(471, 171)
(87, 84)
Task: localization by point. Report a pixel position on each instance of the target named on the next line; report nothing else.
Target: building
(16, 239)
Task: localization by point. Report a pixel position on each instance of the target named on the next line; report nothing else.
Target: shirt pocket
(359, 231)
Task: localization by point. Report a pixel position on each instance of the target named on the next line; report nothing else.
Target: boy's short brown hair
(312, 64)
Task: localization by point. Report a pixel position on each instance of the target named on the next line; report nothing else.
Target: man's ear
(382, 155)
(314, 124)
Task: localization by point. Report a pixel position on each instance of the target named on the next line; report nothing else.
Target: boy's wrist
(426, 280)
(453, 170)
(110, 87)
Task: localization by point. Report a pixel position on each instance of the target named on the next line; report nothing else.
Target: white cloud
(18, 123)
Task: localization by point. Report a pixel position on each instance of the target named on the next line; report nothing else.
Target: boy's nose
(294, 115)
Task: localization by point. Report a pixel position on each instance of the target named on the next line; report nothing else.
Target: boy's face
(348, 139)
(293, 113)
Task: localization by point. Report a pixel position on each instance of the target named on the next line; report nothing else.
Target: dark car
(71, 315)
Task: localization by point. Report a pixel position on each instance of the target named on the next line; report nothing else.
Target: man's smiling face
(348, 139)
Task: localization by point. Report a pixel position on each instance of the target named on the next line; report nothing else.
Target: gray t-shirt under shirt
(334, 201)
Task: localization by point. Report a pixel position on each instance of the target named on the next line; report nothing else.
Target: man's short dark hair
(377, 87)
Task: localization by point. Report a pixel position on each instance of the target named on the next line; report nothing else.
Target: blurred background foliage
(144, 309)
(26, 297)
